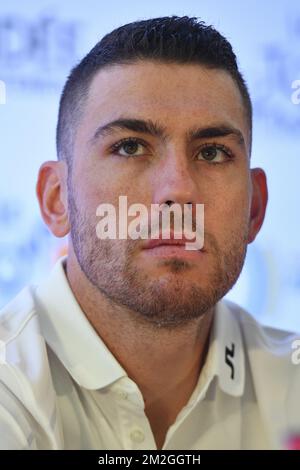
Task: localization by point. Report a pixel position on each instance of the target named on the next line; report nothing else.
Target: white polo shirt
(61, 388)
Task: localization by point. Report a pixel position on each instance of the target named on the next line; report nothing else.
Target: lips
(164, 242)
(171, 240)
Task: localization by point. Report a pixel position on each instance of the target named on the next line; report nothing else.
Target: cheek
(228, 211)
(102, 188)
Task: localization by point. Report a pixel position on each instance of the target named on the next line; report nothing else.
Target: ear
(51, 190)
(259, 202)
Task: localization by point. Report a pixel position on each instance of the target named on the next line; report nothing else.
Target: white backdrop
(40, 41)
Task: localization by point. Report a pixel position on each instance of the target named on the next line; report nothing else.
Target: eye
(129, 147)
(214, 153)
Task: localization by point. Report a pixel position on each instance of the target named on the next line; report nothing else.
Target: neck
(164, 363)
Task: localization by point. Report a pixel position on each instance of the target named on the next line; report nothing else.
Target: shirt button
(121, 394)
(137, 436)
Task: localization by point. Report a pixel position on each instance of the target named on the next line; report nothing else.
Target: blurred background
(41, 40)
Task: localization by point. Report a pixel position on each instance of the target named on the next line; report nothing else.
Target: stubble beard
(167, 302)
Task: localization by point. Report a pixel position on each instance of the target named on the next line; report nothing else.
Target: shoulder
(18, 324)
(273, 341)
(27, 396)
(272, 360)
(272, 370)
(19, 327)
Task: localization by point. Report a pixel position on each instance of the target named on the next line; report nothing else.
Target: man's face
(166, 289)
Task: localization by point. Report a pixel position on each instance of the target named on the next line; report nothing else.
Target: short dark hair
(169, 39)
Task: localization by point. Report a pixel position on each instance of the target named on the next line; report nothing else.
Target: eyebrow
(156, 130)
(217, 131)
(135, 125)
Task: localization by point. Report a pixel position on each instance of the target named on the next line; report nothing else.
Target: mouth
(170, 248)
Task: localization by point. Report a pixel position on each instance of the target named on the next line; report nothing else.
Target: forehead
(177, 95)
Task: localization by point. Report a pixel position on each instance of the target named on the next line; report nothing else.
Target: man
(128, 345)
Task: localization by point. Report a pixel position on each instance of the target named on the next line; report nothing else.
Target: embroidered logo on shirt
(229, 355)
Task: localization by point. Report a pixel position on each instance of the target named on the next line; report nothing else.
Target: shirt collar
(64, 325)
(226, 357)
(94, 366)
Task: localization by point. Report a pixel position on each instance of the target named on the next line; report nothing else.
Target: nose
(175, 181)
